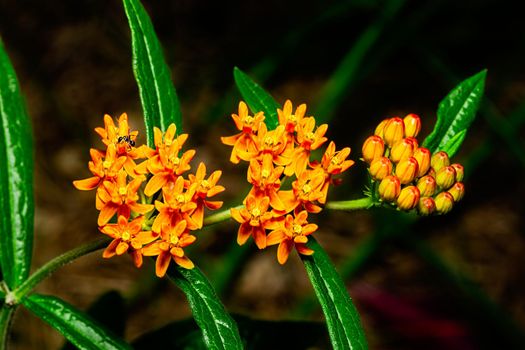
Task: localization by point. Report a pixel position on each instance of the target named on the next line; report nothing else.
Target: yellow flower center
(174, 239)
(292, 118)
(174, 160)
(269, 141)
(180, 198)
(106, 164)
(125, 236)
(205, 184)
(310, 136)
(265, 173)
(122, 191)
(249, 120)
(307, 188)
(335, 160)
(297, 229)
(168, 142)
(256, 212)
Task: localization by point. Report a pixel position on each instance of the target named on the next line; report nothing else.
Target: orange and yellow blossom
(127, 237)
(307, 190)
(254, 218)
(173, 240)
(103, 166)
(120, 196)
(243, 142)
(288, 119)
(293, 232)
(178, 205)
(273, 145)
(265, 179)
(164, 162)
(204, 188)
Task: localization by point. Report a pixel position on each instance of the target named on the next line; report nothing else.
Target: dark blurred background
(452, 282)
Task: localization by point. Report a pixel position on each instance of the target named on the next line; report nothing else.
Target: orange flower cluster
(271, 214)
(409, 175)
(126, 190)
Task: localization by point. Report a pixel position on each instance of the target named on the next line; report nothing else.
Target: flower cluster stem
(355, 204)
(52, 265)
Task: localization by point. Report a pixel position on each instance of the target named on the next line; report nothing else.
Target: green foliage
(257, 98)
(219, 330)
(455, 114)
(342, 318)
(16, 178)
(157, 93)
(77, 327)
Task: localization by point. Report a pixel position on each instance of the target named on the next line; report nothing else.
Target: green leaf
(158, 96)
(76, 326)
(219, 330)
(453, 145)
(342, 318)
(257, 98)
(455, 114)
(109, 310)
(16, 178)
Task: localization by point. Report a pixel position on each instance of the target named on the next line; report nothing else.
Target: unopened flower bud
(389, 188)
(406, 170)
(426, 206)
(427, 186)
(414, 141)
(460, 171)
(444, 202)
(380, 128)
(380, 168)
(402, 149)
(373, 148)
(422, 156)
(446, 177)
(457, 191)
(394, 131)
(439, 160)
(408, 198)
(412, 125)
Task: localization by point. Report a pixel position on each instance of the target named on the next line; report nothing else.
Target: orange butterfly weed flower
(243, 142)
(127, 237)
(103, 166)
(173, 240)
(293, 232)
(178, 204)
(288, 119)
(266, 182)
(120, 196)
(254, 219)
(204, 189)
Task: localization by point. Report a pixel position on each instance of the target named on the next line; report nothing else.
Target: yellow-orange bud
(394, 131)
(402, 149)
(426, 206)
(412, 125)
(389, 188)
(373, 148)
(380, 127)
(444, 202)
(422, 156)
(408, 198)
(381, 168)
(426, 186)
(460, 171)
(439, 160)
(406, 170)
(446, 177)
(457, 191)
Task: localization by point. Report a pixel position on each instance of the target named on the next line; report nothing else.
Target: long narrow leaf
(158, 96)
(455, 113)
(16, 178)
(342, 318)
(257, 98)
(219, 330)
(76, 326)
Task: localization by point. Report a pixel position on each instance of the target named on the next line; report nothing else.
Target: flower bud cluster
(125, 191)
(408, 175)
(271, 213)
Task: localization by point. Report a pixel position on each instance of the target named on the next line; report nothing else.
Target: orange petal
(244, 233)
(303, 249)
(110, 249)
(184, 262)
(161, 266)
(106, 213)
(140, 208)
(275, 237)
(152, 249)
(136, 256)
(284, 251)
(122, 247)
(259, 235)
(155, 184)
(87, 184)
(146, 237)
(213, 205)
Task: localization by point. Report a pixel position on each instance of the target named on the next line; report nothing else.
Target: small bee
(126, 139)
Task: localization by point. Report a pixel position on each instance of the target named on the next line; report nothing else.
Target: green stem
(220, 216)
(52, 265)
(355, 204)
(6, 315)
